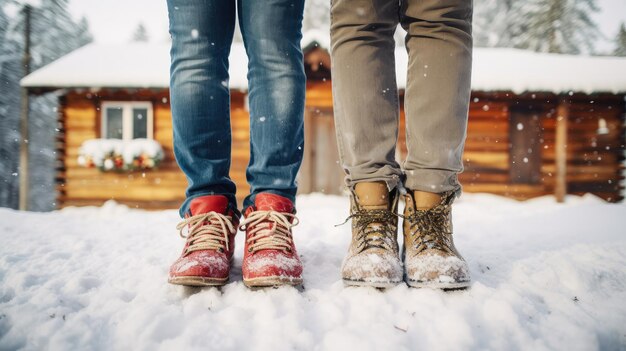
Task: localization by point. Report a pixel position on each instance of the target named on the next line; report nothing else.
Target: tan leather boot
(430, 258)
(373, 256)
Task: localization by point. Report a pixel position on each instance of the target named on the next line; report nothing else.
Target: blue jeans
(202, 33)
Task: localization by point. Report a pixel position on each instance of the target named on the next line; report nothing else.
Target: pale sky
(114, 21)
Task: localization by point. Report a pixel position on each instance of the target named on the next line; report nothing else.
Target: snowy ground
(546, 277)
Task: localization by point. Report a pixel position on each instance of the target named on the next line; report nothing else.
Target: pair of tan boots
(428, 257)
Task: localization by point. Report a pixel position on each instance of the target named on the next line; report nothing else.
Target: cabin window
(127, 120)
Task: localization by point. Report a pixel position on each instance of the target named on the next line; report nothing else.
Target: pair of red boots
(270, 256)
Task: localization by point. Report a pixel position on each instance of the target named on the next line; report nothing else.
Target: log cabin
(539, 124)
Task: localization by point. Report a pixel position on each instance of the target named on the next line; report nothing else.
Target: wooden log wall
(321, 170)
(154, 189)
(510, 148)
(594, 148)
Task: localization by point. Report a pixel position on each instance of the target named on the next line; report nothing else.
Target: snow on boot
(430, 257)
(373, 257)
(208, 252)
(270, 256)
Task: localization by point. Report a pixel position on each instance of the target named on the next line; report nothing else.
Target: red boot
(208, 253)
(270, 256)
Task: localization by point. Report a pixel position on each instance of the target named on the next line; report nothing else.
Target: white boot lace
(269, 230)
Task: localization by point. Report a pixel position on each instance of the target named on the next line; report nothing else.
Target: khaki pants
(439, 45)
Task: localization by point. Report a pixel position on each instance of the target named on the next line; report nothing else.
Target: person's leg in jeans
(271, 32)
(439, 44)
(366, 119)
(202, 33)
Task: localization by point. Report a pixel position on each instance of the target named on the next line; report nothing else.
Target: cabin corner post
(306, 175)
(61, 152)
(24, 149)
(562, 117)
(23, 168)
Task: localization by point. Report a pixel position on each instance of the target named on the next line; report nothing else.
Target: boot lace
(374, 229)
(207, 231)
(431, 229)
(269, 230)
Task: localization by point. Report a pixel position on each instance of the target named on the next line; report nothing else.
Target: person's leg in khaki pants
(366, 116)
(364, 88)
(439, 44)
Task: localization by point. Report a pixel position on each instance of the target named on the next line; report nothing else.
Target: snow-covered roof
(520, 70)
(146, 65)
(504, 69)
(129, 65)
(319, 36)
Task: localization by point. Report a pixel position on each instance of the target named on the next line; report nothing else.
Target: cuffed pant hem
(249, 200)
(433, 181)
(391, 177)
(232, 203)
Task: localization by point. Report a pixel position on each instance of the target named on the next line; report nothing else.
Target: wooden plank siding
(155, 189)
(493, 150)
(594, 161)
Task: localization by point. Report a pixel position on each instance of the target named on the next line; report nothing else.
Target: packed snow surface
(546, 276)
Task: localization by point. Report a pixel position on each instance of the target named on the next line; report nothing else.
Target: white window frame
(127, 117)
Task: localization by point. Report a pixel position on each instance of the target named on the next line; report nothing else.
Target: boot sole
(198, 281)
(439, 285)
(380, 285)
(271, 281)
